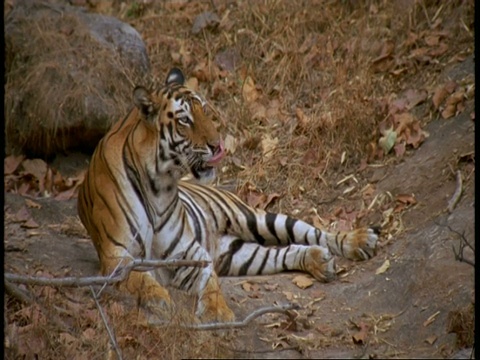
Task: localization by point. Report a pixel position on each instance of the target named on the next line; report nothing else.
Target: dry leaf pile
(35, 178)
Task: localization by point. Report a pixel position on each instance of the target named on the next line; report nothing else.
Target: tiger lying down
(134, 205)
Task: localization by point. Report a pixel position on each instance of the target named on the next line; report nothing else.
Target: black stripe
(215, 196)
(339, 244)
(264, 262)
(174, 242)
(187, 281)
(244, 268)
(289, 224)
(225, 260)
(114, 241)
(251, 223)
(287, 249)
(135, 181)
(270, 220)
(168, 211)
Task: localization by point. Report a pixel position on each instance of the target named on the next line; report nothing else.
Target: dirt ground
(402, 312)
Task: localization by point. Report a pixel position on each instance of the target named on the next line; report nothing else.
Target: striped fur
(134, 206)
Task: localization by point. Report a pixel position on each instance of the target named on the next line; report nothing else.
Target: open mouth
(206, 169)
(217, 156)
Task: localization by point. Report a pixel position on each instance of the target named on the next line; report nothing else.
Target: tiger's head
(182, 118)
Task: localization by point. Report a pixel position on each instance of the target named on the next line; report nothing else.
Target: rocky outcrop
(69, 76)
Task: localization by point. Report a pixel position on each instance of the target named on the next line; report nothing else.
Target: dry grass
(319, 93)
(66, 324)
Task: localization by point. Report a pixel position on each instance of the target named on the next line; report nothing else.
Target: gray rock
(69, 76)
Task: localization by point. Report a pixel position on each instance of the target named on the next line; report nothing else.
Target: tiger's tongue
(218, 156)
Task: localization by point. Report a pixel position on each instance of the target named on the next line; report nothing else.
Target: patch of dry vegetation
(303, 86)
(66, 324)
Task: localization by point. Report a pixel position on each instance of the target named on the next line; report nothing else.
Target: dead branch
(110, 332)
(235, 324)
(463, 244)
(457, 194)
(18, 293)
(459, 253)
(30, 299)
(121, 274)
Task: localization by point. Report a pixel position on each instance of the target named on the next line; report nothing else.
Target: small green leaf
(387, 141)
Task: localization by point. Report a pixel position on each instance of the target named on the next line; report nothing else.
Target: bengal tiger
(134, 206)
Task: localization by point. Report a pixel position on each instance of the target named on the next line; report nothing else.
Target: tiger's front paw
(212, 306)
(320, 263)
(222, 313)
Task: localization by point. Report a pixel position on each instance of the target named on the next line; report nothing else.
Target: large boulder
(69, 76)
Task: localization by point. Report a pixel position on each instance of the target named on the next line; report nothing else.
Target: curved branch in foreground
(235, 324)
(117, 276)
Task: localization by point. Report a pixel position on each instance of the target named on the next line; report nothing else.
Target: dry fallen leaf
(302, 281)
(249, 90)
(30, 224)
(205, 20)
(11, 163)
(303, 120)
(248, 287)
(431, 339)
(230, 144)
(408, 199)
(442, 92)
(22, 215)
(36, 167)
(289, 295)
(32, 204)
(385, 266)
(271, 287)
(268, 146)
(361, 336)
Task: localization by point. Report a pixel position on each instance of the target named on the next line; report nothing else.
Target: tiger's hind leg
(236, 257)
(283, 230)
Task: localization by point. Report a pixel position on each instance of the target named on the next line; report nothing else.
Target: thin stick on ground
(459, 256)
(110, 332)
(457, 194)
(235, 324)
(122, 273)
(18, 293)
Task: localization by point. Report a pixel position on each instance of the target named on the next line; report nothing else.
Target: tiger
(135, 205)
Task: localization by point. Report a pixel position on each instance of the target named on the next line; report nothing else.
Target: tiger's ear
(175, 76)
(142, 100)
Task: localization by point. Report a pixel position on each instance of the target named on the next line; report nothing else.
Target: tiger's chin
(204, 175)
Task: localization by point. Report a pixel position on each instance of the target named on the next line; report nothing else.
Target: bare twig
(111, 335)
(235, 324)
(457, 194)
(122, 273)
(30, 299)
(18, 293)
(463, 244)
(459, 253)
